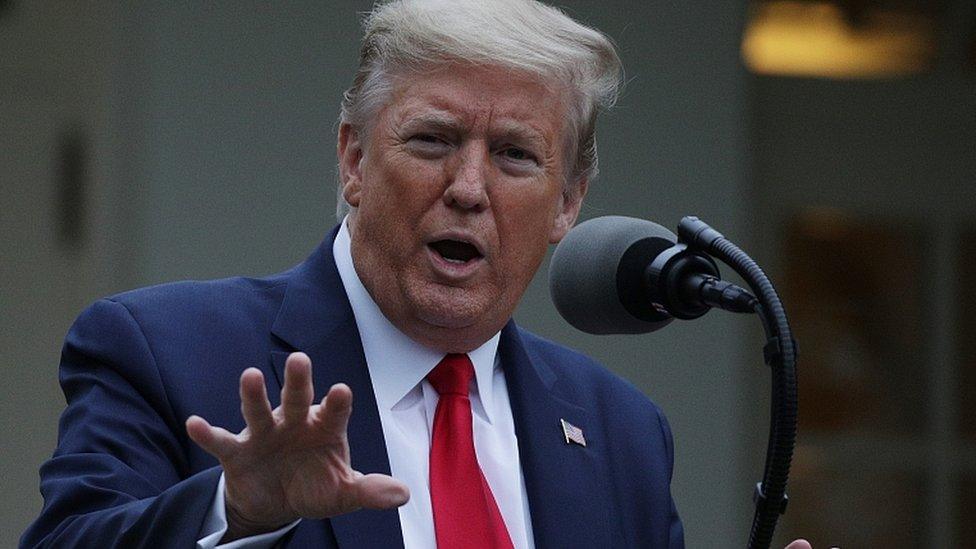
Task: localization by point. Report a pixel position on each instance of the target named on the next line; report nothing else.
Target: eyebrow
(522, 133)
(436, 120)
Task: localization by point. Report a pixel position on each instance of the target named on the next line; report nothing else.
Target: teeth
(458, 261)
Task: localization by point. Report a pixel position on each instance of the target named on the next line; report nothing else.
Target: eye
(517, 155)
(517, 161)
(428, 145)
(427, 138)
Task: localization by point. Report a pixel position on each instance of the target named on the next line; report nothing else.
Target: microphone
(622, 275)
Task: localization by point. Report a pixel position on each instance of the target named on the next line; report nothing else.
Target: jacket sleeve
(120, 475)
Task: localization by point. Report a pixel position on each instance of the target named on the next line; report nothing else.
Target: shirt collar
(398, 364)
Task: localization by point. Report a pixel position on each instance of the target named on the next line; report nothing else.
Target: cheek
(525, 231)
(403, 182)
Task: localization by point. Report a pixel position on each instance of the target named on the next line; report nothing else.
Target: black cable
(780, 355)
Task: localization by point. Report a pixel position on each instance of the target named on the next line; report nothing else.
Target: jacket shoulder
(203, 303)
(195, 294)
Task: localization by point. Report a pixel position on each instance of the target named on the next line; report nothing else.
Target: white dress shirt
(398, 367)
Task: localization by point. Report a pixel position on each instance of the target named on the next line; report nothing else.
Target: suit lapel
(566, 483)
(315, 317)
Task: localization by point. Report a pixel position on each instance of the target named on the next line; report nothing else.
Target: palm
(314, 495)
(293, 461)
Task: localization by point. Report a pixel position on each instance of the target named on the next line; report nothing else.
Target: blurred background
(835, 140)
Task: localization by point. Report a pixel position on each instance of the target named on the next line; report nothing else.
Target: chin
(453, 308)
(451, 316)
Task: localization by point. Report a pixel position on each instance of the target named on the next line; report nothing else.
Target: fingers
(297, 394)
(254, 401)
(799, 544)
(335, 410)
(216, 441)
(376, 491)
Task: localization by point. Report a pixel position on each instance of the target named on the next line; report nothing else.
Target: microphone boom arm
(780, 354)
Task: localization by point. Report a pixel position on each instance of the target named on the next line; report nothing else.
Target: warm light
(814, 39)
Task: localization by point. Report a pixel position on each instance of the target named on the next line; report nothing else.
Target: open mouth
(455, 251)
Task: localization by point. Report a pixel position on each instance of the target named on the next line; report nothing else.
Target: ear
(571, 202)
(350, 151)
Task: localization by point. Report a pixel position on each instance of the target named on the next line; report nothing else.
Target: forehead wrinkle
(435, 103)
(508, 119)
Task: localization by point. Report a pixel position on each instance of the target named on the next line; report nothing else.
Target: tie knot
(452, 375)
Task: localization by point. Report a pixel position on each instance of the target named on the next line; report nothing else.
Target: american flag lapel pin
(572, 433)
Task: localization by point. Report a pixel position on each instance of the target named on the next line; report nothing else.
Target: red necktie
(465, 513)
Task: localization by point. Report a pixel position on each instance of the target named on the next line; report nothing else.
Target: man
(465, 148)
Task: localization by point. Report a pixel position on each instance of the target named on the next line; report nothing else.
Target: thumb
(799, 544)
(378, 491)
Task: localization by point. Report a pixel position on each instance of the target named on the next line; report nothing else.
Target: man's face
(457, 196)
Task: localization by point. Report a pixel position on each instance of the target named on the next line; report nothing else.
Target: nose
(468, 186)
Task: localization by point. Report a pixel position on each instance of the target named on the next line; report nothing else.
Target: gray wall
(55, 74)
(216, 147)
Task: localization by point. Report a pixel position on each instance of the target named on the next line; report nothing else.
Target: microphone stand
(780, 354)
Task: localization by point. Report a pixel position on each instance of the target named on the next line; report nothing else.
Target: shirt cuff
(215, 525)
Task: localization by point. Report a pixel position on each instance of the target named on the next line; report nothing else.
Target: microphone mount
(684, 283)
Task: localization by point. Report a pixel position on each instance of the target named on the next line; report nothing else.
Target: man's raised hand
(291, 462)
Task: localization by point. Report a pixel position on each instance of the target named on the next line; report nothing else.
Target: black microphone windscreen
(595, 263)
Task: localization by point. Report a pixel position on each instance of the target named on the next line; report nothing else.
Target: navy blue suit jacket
(136, 365)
